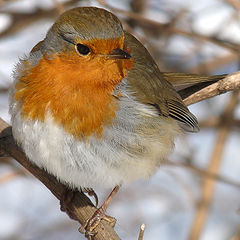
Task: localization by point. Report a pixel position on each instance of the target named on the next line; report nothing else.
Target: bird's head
(92, 40)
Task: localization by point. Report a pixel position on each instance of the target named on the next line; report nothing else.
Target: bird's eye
(82, 49)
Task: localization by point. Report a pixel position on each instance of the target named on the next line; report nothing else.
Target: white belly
(129, 149)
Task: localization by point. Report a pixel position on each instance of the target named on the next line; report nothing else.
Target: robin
(90, 105)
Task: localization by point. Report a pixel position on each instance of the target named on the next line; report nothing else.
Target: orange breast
(77, 93)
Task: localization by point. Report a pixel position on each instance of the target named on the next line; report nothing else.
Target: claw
(91, 224)
(91, 193)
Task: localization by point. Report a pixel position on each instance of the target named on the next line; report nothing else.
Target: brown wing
(150, 87)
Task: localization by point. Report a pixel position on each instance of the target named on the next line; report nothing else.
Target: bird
(91, 107)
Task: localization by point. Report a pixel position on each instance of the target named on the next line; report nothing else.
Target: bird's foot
(90, 225)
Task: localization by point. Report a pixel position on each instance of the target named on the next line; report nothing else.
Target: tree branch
(229, 83)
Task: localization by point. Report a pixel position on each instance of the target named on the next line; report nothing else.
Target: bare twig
(237, 236)
(215, 122)
(9, 176)
(141, 233)
(3, 90)
(22, 20)
(59, 6)
(163, 27)
(206, 174)
(213, 64)
(229, 83)
(235, 4)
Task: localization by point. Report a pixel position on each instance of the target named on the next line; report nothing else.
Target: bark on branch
(229, 83)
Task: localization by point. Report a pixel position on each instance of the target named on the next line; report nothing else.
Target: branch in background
(213, 64)
(3, 90)
(205, 174)
(163, 28)
(22, 20)
(237, 236)
(10, 176)
(59, 6)
(215, 122)
(235, 4)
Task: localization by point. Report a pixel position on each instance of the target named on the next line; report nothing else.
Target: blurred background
(196, 194)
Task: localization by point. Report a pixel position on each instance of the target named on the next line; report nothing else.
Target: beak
(118, 53)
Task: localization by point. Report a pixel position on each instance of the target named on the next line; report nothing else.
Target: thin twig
(9, 176)
(59, 6)
(215, 122)
(22, 20)
(237, 236)
(141, 233)
(216, 63)
(206, 174)
(234, 4)
(229, 83)
(225, 44)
